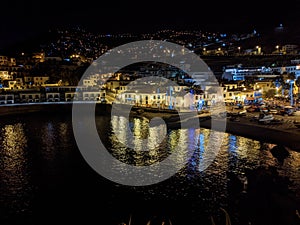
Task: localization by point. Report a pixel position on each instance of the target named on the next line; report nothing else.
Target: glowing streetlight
(292, 92)
(258, 50)
(277, 48)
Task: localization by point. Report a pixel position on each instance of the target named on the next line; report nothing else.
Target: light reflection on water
(52, 143)
(236, 156)
(31, 152)
(235, 150)
(14, 170)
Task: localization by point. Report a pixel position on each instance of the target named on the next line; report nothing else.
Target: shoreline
(257, 132)
(245, 128)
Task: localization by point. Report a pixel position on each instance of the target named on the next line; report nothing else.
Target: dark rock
(280, 153)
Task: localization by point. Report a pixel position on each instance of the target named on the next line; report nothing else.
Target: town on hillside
(246, 76)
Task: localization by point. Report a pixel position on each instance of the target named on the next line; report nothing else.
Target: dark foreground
(45, 180)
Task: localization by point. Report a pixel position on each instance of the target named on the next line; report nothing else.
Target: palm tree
(282, 81)
(249, 82)
(291, 78)
(297, 83)
(285, 82)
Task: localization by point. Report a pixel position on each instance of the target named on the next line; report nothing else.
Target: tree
(291, 78)
(283, 82)
(270, 93)
(297, 83)
(249, 82)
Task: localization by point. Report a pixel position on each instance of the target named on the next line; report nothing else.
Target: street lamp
(291, 92)
(239, 48)
(258, 50)
(277, 48)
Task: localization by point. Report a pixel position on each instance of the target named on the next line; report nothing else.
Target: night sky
(25, 19)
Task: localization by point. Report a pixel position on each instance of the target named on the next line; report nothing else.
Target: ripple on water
(39, 154)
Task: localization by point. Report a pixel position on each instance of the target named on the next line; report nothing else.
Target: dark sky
(24, 19)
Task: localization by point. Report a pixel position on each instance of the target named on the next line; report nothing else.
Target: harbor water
(45, 180)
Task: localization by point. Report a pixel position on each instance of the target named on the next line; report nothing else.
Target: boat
(265, 118)
(297, 124)
(287, 111)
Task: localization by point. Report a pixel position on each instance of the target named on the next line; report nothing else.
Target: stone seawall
(56, 108)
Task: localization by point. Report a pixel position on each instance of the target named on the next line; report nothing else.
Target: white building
(52, 96)
(286, 69)
(93, 95)
(182, 101)
(12, 84)
(71, 96)
(238, 72)
(4, 75)
(290, 49)
(40, 81)
(143, 98)
(167, 98)
(30, 97)
(91, 82)
(6, 61)
(7, 99)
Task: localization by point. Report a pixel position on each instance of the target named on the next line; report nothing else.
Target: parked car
(265, 118)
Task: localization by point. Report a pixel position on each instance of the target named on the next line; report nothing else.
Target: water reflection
(237, 154)
(14, 170)
(152, 144)
(201, 193)
(137, 133)
(225, 180)
(48, 139)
